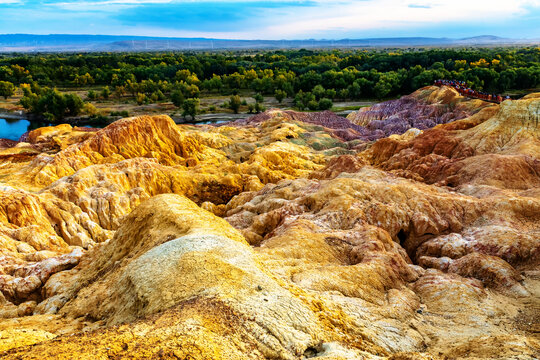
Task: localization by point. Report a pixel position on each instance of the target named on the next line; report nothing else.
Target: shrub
(123, 113)
(325, 104)
(312, 105)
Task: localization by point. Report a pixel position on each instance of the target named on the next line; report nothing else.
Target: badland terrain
(409, 230)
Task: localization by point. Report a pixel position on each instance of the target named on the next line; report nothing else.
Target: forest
(310, 79)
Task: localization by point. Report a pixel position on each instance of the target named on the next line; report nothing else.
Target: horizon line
(300, 39)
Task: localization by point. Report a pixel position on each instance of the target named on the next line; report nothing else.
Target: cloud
(276, 19)
(416, 6)
(395, 15)
(212, 16)
(106, 5)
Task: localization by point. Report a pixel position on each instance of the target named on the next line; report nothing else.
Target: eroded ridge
(285, 236)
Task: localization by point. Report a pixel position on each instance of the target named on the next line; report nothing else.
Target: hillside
(409, 230)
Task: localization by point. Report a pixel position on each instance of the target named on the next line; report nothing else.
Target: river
(13, 129)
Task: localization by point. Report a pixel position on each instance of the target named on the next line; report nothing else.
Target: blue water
(13, 129)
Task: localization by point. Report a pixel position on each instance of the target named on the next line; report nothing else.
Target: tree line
(312, 78)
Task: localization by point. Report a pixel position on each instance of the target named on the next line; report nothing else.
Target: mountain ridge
(74, 42)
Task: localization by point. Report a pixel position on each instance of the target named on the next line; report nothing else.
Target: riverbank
(13, 115)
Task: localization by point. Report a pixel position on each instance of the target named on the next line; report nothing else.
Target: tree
(318, 91)
(160, 95)
(89, 109)
(343, 94)
(140, 98)
(258, 98)
(355, 90)
(106, 92)
(234, 103)
(119, 91)
(74, 104)
(91, 95)
(82, 80)
(280, 95)
(191, 107)
(288, 88)
(215, 83)
(51, 103)
(177, 98)
(7, 89)
(330, 93)
(507, 79)
(325, 104)
(298, 100)
(259, 107)
(382, 88)
(302, 100)
(313, 105)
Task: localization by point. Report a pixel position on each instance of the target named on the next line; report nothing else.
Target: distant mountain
(489, 39)
(61, 42)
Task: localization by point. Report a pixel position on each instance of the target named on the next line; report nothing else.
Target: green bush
(123, 113)
(325, 104)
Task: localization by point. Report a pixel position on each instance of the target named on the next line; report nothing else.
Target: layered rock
(497, 147)
(172, 256)
(421, 110)
(420, 245)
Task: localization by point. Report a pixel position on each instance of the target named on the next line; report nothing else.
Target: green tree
(330, 93)
(51, 103)
(106, 92)
(177, 98)
(280, 95)
(258, 98)
(288, 87)
(507, 79)
(313, 105)
(140, 98)
(382, 88)
(318, 91)
(303, 99)
(234, 103)
(259, 107)
(191, 107)
(91, 95)
(74, 104)
(7, 89)
(354, 90)
(325, 104)
(160, 95)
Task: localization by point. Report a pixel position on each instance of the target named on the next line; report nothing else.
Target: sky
(277, 19)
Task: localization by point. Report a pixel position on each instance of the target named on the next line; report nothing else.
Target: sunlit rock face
(286, 235)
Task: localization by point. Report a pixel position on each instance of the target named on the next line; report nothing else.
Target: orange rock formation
(284, 236)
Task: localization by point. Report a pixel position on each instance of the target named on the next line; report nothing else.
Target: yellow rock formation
(283, 236)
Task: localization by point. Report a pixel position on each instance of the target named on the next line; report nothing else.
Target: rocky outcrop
(422, 110)
(328, 244)
(496, 147)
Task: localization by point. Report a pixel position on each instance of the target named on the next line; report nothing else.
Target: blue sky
(278, 19)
